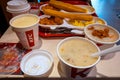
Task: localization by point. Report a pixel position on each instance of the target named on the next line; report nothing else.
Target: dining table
(109, 65)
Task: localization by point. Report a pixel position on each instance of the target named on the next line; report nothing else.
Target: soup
(24, 21)
(77, 52)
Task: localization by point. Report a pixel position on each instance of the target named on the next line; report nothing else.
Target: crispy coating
(48, 7)
(68, 15)
(100, 33)
(51, 21)
(66, 6)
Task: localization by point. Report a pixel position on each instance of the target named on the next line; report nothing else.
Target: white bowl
(113, 37)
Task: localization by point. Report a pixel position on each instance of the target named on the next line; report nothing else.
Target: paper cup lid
(18, 10)
(36, 63)
(14, 3)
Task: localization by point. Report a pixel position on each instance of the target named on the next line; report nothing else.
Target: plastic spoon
(107, 51)
(77, 31)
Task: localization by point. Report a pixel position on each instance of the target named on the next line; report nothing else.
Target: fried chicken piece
(101, 33)
(58, 20)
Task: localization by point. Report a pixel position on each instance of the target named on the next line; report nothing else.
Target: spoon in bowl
(107, 51)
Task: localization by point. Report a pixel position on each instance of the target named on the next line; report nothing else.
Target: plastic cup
(16, 7)
(26, 27)
(37, 63)
(68, 69)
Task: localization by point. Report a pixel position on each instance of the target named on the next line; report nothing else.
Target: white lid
(36, 63)
(14, 3)
(16, 6)
(19, 10)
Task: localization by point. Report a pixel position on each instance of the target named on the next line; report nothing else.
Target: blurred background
(6, 16)
(109, 10)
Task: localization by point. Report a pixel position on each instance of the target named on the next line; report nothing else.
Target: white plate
(95, 20)
(90, 9)
(66, 24)
(42, 6)
(112, 38)
(50, 26)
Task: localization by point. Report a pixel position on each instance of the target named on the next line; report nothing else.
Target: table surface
(107, 67)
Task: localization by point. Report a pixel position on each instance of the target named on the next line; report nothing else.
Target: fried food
(80, 23)
(51, 21)
(67, 15)
(100, 33)
(49, 7)
(66, 6)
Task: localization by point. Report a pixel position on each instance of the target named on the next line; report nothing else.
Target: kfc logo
(30, 37)
(81, 74)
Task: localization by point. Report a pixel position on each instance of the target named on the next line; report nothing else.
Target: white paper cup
(70, 70)
(16, 7)
(27, 34)
(37, 63)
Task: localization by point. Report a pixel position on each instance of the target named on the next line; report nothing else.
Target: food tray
(46, 33)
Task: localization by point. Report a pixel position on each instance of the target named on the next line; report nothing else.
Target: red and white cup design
(71, 71)
(28, 36)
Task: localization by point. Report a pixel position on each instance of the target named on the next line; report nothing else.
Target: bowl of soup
(74, 55)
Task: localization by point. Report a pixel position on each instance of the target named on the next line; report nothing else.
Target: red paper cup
(67, 68)
(26, 28)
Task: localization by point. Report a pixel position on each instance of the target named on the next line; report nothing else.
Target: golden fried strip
(66, 6)
(67, 15)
